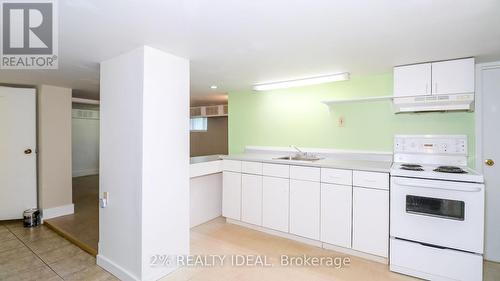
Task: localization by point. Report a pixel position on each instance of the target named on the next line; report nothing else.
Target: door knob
(489, 162)
(27, 151)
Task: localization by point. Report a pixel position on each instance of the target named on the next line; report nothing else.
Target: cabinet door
(275, 204)
(412, 80)
(231, 195)
(370, 221)
(453, 77)
(336, 211)
(251, 199)
(305, 208)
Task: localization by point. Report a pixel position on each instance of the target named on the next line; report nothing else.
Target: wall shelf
(367, 99)
(209, 111)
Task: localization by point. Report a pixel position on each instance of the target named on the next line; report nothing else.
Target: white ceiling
(234, 44)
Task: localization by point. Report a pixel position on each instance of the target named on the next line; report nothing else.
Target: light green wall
(296, 116)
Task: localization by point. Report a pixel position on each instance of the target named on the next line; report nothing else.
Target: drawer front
(370, 179)
(305, 173)
(231, 165)
(251, 168)
(336, 176)
(434, 263)
(276, 170)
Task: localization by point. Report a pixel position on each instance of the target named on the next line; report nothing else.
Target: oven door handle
(441, 185)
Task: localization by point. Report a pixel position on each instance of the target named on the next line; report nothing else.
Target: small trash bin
(31, 217)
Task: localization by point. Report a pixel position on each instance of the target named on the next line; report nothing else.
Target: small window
(198, 124)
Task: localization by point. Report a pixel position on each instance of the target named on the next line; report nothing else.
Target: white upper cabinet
(453, 77)
(436, 78)
(412, 80)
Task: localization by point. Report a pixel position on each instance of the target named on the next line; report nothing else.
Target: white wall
(144, 162)
(85, 145)
(119, 248)
(165, 147)
(54, 151)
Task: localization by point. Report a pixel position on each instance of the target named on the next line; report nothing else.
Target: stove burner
(411, 168)
(450, 169)
(411, 165)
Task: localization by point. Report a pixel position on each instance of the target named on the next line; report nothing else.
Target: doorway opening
(82, 227)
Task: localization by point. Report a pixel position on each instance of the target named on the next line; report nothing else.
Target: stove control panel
(431, 144)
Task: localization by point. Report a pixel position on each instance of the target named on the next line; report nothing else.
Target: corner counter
(205, 188)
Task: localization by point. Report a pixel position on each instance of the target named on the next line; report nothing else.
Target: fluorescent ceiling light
(213, 87)
(302, 82)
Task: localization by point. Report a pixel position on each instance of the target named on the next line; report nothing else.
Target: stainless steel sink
(301, 157)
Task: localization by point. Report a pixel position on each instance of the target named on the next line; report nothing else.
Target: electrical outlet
(103, 201)
(341, 121)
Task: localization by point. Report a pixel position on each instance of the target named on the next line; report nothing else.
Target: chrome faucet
(296, 148)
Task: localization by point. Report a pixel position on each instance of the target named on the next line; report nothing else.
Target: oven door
(440, 213)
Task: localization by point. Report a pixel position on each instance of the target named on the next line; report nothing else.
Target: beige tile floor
(83, 225)
(219, 238)
(41, 254)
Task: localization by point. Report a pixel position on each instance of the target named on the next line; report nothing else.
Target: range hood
(434, 103)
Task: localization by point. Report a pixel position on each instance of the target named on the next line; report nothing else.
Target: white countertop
(328, 162)
(205, 165)
(206, 158)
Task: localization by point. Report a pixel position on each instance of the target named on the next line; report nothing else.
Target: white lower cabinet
(251, 199)
(336, 214)
(275, 203)
(292, 200)
(231, 195)
(370, 221)
(305, 208)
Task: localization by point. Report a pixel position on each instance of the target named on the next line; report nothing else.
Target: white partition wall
(55, 190)
(144, 162)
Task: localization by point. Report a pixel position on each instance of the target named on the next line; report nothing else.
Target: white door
(275, 203)
(251, 199)
(17, 152)
(490, 108)
(453, 77)
(231, 195)
(412, 80)
(370, 219)
(305, 208)
(336, 214)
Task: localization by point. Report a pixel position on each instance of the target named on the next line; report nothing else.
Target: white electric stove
(436, 209)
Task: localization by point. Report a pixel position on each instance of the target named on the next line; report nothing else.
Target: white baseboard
(50, 213)
(115, 269)
(86, 172)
